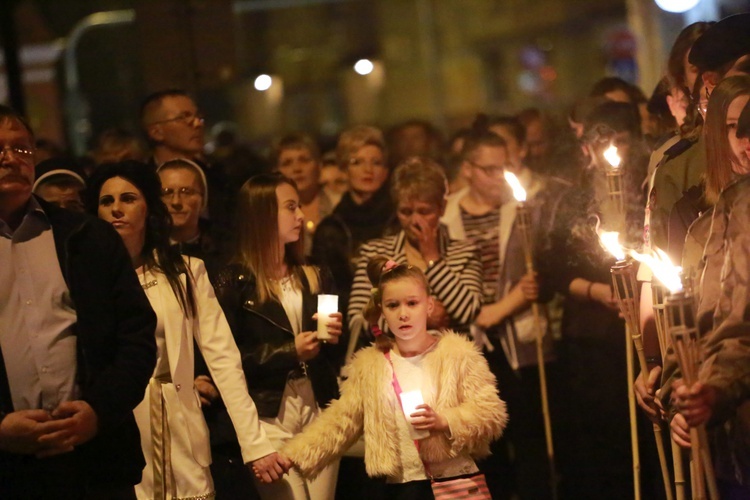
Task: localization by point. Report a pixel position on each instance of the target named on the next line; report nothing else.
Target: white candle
(327, 304)
(409, 402)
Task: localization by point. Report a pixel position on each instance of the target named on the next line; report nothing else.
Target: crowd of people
(160, 335)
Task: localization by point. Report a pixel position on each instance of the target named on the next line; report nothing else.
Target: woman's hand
(334, 325)
(427, 237)
(269, 468)
(206, 390)
(425, 419)
(438, 318)
(307, 345)
(695, 403)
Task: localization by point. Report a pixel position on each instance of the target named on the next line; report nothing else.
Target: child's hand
(425, 419)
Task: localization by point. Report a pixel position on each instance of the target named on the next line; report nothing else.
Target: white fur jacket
(465, 394)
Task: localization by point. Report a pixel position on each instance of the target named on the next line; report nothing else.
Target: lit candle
(327, 304)
(409, 402)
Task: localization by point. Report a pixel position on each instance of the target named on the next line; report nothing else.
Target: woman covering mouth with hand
(452, 268)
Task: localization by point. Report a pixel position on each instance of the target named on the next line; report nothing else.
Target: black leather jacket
(266, 342)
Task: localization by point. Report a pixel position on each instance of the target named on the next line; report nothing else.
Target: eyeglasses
(489, 170)
(18, 152)
(186, 192)
(186, 117)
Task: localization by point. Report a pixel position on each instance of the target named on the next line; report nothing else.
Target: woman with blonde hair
(270, 298)
(365, 210)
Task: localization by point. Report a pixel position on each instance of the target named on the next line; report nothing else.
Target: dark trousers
(61, 477)
(518, 464)
(413, 490)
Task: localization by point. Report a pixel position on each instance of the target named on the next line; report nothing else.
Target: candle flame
(662, 267)
(609, 240)
(519, 193)
(611, 155)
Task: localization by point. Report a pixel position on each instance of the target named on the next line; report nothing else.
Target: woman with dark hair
(270, 298)
(174, 436)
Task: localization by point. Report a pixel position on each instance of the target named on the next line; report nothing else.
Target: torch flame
(609, 240)
(662, 267)
(611, 155)
(519, 193)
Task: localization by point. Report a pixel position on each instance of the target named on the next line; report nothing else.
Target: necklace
(149, 284)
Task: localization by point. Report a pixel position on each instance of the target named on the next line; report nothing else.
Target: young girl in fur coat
(462, 412)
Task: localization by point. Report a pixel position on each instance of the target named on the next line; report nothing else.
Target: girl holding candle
(270, 299)
(452, 267)
(174, 437)
(461, 412)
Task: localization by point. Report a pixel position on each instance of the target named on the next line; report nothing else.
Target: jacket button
(178, 386)
(250, 303)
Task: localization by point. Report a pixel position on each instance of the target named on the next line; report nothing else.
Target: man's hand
(307, 345)
(206, 389)
(269, 468)
(20, 431)
(644, 394)
(80, 425)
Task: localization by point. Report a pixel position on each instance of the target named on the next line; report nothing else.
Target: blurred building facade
(440, 60)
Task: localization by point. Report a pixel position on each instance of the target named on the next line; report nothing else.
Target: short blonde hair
(354, 139)
(421, 179)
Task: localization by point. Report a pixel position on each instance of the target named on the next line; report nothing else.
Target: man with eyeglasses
(484, 213)
(174, 128)
(77, 344)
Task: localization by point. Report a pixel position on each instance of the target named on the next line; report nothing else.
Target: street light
(677, 6)
(263, 83)
(364, 67)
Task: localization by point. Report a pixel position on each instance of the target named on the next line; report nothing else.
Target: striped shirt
(455, 280)
(484, 232)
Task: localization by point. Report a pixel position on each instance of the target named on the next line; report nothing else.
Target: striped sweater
(455, 280)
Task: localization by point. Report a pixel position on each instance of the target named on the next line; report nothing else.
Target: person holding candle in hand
(270, 299)
(461, 409)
